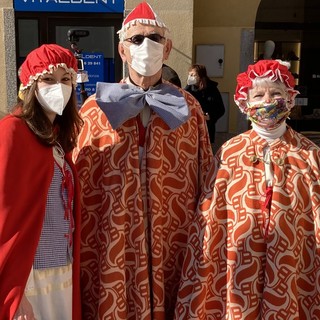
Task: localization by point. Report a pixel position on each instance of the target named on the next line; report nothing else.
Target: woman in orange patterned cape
(256, 240)
(142, 157)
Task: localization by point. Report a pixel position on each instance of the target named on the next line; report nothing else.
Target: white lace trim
(50, 70)
(153, 22)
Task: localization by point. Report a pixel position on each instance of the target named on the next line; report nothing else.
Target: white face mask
(147, 58)
(54, 97)
(191, 80)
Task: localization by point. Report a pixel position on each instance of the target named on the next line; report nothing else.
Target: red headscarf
(46, 59)
(274, 70)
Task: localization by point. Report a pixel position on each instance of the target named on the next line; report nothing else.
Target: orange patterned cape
(135, 217)
(245, 268)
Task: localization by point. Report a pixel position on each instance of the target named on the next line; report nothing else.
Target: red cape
(26, 170)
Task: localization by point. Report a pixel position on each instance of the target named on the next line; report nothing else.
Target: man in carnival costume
(142, 156)
(258, 256)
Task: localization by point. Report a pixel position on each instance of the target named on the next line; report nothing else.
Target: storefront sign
(116, 6)
(93, 64)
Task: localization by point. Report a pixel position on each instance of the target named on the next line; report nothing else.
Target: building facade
(225, 27)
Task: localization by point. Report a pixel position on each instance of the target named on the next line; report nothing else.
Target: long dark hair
(202, 74)
(65, 128)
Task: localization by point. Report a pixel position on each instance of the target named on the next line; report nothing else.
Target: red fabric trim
(76, 307)
(266, 211)
(142, 131)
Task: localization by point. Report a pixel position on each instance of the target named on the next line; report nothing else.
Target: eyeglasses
(138, 38)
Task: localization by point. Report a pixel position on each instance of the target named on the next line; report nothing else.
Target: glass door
(98, 48)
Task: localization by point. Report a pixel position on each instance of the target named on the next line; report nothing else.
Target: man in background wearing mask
(142, 157)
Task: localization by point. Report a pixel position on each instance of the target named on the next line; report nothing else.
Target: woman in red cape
(39, 206)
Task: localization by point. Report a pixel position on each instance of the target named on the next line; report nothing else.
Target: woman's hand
(24, 311)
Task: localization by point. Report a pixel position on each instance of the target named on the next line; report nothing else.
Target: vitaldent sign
(116, 6)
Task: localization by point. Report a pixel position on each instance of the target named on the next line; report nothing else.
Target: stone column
(8, 74)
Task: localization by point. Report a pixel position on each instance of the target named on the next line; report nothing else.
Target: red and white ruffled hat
(274, 70)
(46, 59)
(144, 14)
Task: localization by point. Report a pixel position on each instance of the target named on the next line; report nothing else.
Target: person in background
(170, 75)
(256, 241)
(39, 202)
(207, 93)
(142, 157)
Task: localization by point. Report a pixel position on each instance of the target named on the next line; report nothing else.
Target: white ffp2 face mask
(54, 97)
(191, 80)
(147, 58)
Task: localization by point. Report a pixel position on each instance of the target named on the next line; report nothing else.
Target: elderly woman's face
(266, 92)
(267, 104)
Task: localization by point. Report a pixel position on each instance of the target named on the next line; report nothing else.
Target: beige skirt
(50, 293)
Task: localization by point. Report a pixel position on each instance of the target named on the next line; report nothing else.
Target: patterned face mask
(267, 115)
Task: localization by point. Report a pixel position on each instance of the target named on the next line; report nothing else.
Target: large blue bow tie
(122, 101)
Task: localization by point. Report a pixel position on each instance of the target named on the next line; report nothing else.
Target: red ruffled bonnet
(46, 59)
(274, 70)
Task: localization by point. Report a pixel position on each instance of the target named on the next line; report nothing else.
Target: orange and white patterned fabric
(135, 217)
(245, 262)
